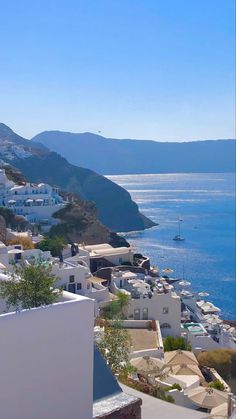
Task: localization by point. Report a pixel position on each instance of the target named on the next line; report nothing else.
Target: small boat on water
(178, 237)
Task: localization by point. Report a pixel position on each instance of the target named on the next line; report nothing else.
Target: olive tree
(115, 347)
(29, 286)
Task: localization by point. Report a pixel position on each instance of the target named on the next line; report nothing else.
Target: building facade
(36, 202)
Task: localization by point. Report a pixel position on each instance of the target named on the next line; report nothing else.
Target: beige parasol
(183, 369)
(147, 364)
(207, 397)
(220, 411)
(179, 357)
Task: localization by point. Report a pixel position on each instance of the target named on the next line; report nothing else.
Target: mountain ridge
(116, 210)
(128, 156)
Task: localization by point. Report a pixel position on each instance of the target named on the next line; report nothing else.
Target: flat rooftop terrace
(143, 339)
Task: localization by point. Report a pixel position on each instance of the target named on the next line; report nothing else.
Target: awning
(29, 200)
(11, 201)
(96, 280)
(39, 200)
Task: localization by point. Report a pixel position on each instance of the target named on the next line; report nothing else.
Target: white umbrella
(141, 284)
(214, 320)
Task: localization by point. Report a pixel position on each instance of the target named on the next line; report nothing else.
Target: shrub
(115, 348)
(53, 244)
(175, 386)
(26, 242)
(218, 385)
(172, 344)
(222, 360)
(144, 387)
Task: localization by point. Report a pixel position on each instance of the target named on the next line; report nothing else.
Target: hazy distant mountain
(111, 156)
(115, 208)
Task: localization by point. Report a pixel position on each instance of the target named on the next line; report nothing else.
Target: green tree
(172, 344)
(123, 302)
(29, 286)
(111, 311)
(117, 308)
(54, 244)
(115, 347)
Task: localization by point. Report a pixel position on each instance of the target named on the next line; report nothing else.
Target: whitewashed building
(102, 255)
(149, 303)
(36, 202)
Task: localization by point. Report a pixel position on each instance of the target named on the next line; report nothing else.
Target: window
(79, 286)
(72, 278)
(136, 314)
(120, 260)
(165, 310)
(71, 288)
(165, 326)
(145, 313)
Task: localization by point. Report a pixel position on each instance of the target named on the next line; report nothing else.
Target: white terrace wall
(47, 362)
(154, 353)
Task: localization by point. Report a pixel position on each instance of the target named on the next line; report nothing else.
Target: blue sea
(206, 205)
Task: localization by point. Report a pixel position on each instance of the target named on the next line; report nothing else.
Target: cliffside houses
(150, 298)
(36, 202)
(154, 311)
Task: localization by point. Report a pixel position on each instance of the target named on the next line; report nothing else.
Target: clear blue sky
(151, 69)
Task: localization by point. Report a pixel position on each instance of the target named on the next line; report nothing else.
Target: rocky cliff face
(116, 210)
(78, 223)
